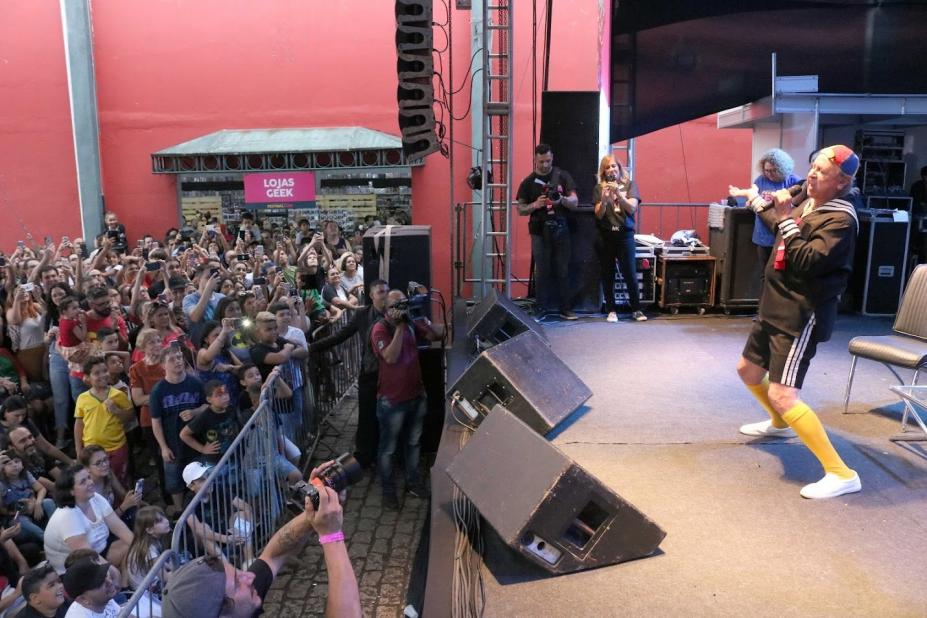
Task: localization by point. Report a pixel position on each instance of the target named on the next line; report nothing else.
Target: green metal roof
(263, 141)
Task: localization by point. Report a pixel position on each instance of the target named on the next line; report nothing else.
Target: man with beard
(98, 317)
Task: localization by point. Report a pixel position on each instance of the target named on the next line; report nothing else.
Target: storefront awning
(254, 150)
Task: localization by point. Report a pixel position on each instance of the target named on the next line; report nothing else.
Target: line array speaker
(415, 94)
(543, 504)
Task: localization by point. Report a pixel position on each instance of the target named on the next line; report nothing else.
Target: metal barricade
(331, 373)
(147, 598)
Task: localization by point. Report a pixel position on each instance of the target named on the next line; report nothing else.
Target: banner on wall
(280, 190)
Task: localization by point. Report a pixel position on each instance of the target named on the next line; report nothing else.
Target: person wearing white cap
(210, 515)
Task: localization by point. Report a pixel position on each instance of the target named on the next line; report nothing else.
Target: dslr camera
(343, 472)
(552, 193)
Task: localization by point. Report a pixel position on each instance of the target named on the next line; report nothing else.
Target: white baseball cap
(195, 471)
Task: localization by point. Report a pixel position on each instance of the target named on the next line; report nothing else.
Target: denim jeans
(31, 531)
(620, 246)
(60, 385)
(551, 252)
(400, 421)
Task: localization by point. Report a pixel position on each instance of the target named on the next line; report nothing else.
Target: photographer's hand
(329, 518)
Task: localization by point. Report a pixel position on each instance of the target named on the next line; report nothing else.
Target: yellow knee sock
(806, 424)
(761, 392)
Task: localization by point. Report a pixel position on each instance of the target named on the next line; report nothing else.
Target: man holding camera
(209, 588)
(401, 405)
(546, 196)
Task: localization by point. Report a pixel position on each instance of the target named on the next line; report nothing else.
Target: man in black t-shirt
(205, 587)
(547, 196)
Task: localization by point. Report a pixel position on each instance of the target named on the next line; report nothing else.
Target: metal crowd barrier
(241, 504)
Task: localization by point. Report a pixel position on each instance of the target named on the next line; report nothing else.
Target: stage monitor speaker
(738, 263)
(398, 254)
(524, 375)
(570, 125)
(415, 94)
(544, 505)
(497, 319)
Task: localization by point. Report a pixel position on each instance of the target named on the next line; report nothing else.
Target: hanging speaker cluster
(542, 503)
(415, 70)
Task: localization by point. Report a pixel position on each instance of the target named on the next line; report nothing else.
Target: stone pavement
(382, 544)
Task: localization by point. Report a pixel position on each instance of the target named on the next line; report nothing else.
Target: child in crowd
(151, 530)
(24, 496)
(115, 365)
(72, 325)
(99, 415)
(221, 510)
(211, 433)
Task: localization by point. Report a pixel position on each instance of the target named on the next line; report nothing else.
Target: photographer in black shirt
(546, 196)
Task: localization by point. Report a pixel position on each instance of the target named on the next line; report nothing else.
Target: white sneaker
(638, 316)
(831, 486)
(612, 317)
(765, 429)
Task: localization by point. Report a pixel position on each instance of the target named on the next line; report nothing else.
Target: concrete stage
(661, 429)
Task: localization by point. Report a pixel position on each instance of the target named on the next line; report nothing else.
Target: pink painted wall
(169, 72)
(38, 190)
(692, 162)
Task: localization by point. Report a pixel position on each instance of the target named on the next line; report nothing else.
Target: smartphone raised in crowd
(139, 487)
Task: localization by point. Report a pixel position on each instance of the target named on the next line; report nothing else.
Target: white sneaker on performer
(765, 429)
(831, 486)
(612, 317)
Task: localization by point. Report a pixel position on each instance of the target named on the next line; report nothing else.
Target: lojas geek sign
(280, 190)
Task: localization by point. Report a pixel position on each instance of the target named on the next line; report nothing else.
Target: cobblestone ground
(381, 543)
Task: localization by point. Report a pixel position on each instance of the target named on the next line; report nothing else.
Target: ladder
(494, 238)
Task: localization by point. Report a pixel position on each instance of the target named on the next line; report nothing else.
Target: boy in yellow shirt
(99, 416)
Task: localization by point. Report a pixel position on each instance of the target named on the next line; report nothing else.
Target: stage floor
(661, 429)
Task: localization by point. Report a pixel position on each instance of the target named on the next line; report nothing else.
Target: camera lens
(343, 472)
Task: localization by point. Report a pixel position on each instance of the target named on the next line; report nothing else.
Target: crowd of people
(124, 363)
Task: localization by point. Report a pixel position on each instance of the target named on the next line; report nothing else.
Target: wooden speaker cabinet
(686, 281)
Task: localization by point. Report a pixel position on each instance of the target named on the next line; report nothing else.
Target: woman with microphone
(616, 200)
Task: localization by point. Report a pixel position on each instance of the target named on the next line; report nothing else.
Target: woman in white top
(334, 294)
(26, 319)
(84, 520)
(352, 277)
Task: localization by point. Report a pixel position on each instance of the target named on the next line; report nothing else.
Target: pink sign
(279, 187)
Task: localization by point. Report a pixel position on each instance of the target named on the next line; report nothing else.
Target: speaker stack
(398, 254)
(415, 70)
(544, 505)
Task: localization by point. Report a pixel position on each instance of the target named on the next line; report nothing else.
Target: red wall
(170, 72)
(692, 162)
(38, 190)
